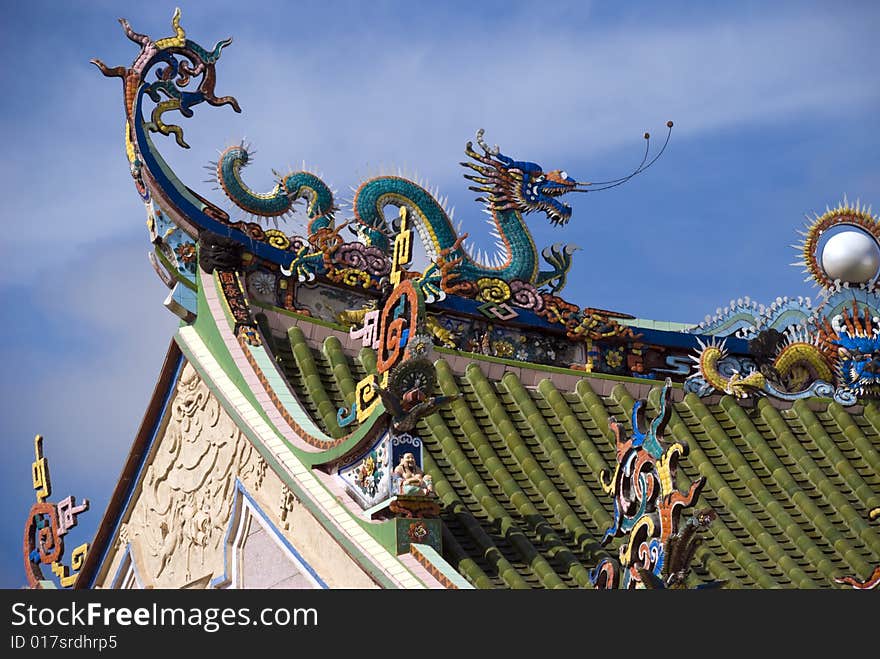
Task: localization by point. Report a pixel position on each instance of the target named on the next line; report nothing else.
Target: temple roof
(773, 438)
(517, 468)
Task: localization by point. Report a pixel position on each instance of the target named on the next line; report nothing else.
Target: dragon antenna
(605, 185)
(494, 151)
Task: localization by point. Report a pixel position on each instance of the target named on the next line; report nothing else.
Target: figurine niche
(409, 479)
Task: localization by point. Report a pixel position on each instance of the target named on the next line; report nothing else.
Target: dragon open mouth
(559, 213)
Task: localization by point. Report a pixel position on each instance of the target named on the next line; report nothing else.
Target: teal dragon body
(512, 188)
(279, 202)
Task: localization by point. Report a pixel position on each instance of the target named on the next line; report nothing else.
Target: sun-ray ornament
(850, 258)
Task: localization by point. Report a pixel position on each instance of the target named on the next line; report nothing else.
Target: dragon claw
(557, 255)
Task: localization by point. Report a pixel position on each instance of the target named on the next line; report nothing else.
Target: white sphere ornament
(851, 256)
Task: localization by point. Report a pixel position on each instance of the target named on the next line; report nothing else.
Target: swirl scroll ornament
(525, 296)
(185, 77)
(277, 238)
(46, 526)
(405, 439)
(180, 62)
(696, 384)
(493, 290)
(844, 396)
(400, 314)
(658, 548)
(360, 257)
(351, 277)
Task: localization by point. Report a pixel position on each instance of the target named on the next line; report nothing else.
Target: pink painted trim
(215, 306)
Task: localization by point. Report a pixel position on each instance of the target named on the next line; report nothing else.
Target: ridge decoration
(46, 526)
(658, 548)
(798, 350)
(174, 74)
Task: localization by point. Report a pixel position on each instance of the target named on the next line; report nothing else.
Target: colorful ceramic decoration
(368, 478)
(46, 526)
(658, 548)
(873, 580)
(798, 350)
(303, 272)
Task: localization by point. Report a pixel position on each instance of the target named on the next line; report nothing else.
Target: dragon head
(852, 341)
(859, 362)
(518, 185)
(525, 187)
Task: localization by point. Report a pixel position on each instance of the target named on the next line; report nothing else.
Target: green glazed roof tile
(517, 470)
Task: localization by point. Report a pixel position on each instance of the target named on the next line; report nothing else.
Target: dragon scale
(437, 233)
(280, 200)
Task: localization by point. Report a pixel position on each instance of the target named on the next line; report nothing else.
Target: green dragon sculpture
(186, 76)
(511, 189)
(277, 203)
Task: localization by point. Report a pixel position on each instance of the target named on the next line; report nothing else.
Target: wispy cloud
(359, 100)
(353, 87)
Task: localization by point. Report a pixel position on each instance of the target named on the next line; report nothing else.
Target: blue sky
(776, 116)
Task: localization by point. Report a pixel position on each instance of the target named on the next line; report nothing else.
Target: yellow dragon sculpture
(796, 365)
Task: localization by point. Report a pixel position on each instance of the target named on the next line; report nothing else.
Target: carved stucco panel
(180, 519)
(180, 515)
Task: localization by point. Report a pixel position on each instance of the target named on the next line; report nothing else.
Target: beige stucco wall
(177, 521)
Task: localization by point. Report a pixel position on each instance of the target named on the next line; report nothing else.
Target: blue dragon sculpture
(851, 341)
(512, 188)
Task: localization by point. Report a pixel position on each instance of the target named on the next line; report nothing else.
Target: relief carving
(288, 503)
(183, 510)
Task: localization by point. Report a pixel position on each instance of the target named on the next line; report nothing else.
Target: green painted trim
(320, 457)
(384, 532)
(660, 325)
(331, 454)
(298, 316)
(173, 271)
(360, 557)
(346, 446)
(210, 334)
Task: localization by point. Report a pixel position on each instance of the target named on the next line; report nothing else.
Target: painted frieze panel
(330, 303)
(368, 478)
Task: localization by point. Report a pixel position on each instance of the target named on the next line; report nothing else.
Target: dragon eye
(540, 179)
(563, 175)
